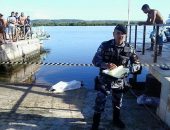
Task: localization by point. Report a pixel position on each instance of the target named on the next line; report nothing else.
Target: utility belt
(104, 84)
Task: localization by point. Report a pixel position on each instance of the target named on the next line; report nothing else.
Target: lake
(74, 44)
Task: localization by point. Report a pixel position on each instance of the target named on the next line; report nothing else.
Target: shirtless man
(21, 19)
(154, 17)
(21, 24)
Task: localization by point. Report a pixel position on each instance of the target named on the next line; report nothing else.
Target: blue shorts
(160, 36)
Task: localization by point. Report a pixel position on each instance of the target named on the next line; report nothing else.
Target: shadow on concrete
(37, 122)
(71, 110)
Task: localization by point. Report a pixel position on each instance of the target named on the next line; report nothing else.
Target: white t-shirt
(11, 21)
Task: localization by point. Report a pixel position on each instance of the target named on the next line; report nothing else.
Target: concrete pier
(32, 107)
(163, 76)
(14, 51)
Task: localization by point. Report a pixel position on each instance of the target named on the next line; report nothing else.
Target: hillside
(77, 22)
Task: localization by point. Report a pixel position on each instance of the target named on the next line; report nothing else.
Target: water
(73, 44)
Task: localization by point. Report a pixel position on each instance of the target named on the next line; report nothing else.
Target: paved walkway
(32, 107)
(148, 55)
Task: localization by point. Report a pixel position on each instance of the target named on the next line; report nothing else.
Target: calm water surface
(76, 44)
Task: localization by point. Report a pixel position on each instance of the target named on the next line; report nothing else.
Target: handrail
(167, 24)
(144, 33)
(144, 37)
(20, 32)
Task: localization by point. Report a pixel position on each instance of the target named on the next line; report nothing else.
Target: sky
(83, 9)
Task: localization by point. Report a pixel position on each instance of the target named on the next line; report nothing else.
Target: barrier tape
(70, 64)
(41, 63)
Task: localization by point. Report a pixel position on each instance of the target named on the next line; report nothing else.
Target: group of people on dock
(14, 27)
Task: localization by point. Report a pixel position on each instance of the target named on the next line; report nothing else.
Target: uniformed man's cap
(1, 14)
(121, 28)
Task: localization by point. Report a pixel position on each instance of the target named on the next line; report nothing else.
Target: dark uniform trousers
(106, 87)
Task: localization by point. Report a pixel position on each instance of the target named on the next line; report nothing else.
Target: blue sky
(83, 9)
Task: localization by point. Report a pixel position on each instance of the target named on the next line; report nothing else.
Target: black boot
(96, 121)
(116, 119)
(160, 51)
(151, 48)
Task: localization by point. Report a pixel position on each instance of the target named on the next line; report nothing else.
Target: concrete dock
(33, 107)
(163, 76)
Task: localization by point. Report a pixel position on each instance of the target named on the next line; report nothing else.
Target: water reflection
(67, 45)
(21, 73)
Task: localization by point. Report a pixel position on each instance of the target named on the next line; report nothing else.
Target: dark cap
(1, 14)
(121, 28)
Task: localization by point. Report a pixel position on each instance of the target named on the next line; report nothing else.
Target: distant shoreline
(75, 22)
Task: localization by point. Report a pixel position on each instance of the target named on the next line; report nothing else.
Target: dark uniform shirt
(109, 52)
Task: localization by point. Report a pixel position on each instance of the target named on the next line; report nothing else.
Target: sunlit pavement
(32, 107)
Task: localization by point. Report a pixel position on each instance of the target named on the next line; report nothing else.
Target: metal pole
(130, 30)
(156, 44)
(126, 35)
(128, 19)
(144, 32)
(128, 12)
(136, 28)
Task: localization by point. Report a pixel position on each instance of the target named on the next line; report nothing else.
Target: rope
(71, 64)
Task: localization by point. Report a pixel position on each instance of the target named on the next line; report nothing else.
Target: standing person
(27, 24)
(110, 55)
(11, 21)
(16, 16)
(21, 22)
(154, 17)
(28, 21)
(2, 29)
(21, 19)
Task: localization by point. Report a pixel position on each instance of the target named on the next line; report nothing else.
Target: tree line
(78, 23)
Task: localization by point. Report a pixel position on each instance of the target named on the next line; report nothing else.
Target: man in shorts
(154, 17)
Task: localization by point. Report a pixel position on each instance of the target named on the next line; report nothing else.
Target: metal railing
(156, 26)
(21, 32)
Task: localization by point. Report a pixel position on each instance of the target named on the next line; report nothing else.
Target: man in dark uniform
(110, 55)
